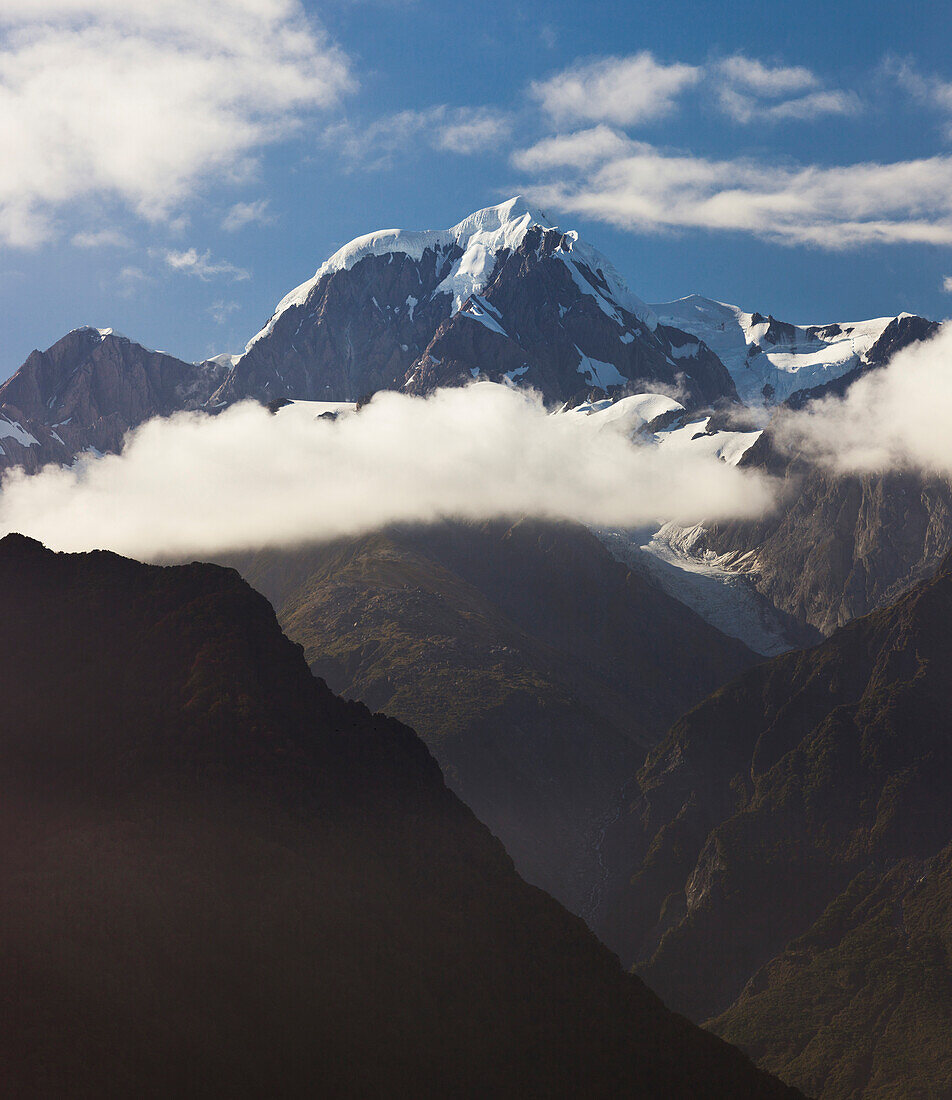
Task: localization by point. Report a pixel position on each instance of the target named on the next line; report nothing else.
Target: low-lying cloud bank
(247, 478)
(896, 418)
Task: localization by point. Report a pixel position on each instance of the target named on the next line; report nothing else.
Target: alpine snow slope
(769, 360)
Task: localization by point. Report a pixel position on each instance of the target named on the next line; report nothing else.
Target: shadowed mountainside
(219, 878)
(538, 670)
(791, 875)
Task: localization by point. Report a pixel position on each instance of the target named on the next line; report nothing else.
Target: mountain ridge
(220, 878)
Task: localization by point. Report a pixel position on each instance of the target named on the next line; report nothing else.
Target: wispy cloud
(130, 280)
(766, 80)
(200, 264)
(145, 101)
(247, 213)
(464, 130)
(619, 90)
(221, 310)
(101, 238)
(924, 87)
(745, 108)
(747, 90)
(638, 186)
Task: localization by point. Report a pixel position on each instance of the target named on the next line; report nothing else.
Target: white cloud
(898, 417)
(929, 89)
(221, 310)
(620, 90)
(643, 188)
(582, 149)
(101, 238)
(463, 130)
(767, 80)
(947, 284)
(749, 91)
(130, 280)
(147, 101)
(745, 108)
(247, 213)
(473, 130)
(192, 262)
(202, 485)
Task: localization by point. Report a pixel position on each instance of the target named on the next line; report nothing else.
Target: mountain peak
(480, 235)
(16, 547)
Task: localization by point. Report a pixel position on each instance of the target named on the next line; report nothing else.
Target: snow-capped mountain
(769, 360)
(503, 295)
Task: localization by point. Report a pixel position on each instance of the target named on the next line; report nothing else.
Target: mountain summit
(503, 295)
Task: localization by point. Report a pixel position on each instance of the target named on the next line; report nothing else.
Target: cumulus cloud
(147, 101)
(619, 90)
(247, 478)
(635, 185)
(200, 264)
(898, 417)
(464, 130)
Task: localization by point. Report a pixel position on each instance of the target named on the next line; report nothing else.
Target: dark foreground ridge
(221, 879)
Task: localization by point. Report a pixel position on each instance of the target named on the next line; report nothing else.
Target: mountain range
(723, 746)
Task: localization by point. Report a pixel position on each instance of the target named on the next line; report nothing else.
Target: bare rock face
(359, 331)
(840, 546)
(87, 391)
(503, 296)
(534, 323)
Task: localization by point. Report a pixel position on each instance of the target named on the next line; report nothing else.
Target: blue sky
(172, 172)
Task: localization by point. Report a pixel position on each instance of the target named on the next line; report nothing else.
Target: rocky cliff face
(790, 825)
(840, 546)
(220, 879)
(88, 390)
(503, 295)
